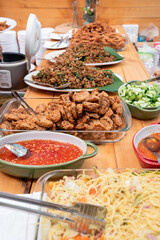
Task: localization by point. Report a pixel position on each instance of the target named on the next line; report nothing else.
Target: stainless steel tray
(94, 136)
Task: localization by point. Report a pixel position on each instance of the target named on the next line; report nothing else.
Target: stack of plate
(21, 40)
(45, 35)
(8, 41)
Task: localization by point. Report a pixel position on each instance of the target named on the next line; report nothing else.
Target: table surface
(114, 155)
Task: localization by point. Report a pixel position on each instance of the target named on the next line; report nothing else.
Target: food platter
(54, 45)
(118, 81)
(12, 23)
(59, 36)
(52, 55)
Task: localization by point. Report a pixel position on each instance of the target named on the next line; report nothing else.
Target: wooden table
(120, 154)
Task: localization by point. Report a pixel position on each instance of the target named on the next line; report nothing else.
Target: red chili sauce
(43, 152)
(145, 151)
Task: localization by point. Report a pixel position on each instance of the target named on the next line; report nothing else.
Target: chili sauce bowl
(141, 134)
(35, 171)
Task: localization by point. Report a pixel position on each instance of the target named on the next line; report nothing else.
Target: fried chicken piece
(41, 108)
(69, 115)
(108, 113)
(80, 96)
(42, 121)
(95, 92)
(19, 110)
(39, 128)
(6, 125)
(25, 125)
(54, 116)
(79, 108)
(74, 110)
(103, 95)
(83, 119)
(107, 122)
(53, 127)
(117, 120)
(91, 107)
(62, 111)
(80, 126)
(93, 99)
(11, 117)
(65, 99)
(56, 101)
(93, 115)
(67, 125)
(114, 99)
(97, 125)
(23, 115)
(117, 107)
(104, 106)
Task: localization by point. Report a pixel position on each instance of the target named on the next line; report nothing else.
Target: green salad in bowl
(143, 99)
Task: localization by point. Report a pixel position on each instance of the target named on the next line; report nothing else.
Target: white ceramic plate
(59, 36)
(104, 63)
(29, 77)
(10, 22)
(53, 45)
(50, 56)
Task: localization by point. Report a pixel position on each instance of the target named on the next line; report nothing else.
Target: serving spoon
(17, 149)
(145, 81)
(153, 144)
(49, 85)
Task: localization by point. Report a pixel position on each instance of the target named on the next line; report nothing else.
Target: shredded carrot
(50, 185)
(93, 191)
(82, 199)
(78, 237)
(152, 180)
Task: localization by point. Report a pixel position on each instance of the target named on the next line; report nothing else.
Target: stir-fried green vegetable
(141, 94)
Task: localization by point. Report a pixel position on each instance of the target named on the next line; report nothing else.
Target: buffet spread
(96, 63)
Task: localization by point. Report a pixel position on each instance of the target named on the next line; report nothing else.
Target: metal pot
(12, 71)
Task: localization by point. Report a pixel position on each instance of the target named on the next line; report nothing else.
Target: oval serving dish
(35, 171)
(142, 133)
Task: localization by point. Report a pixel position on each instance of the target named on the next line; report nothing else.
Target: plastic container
(94, 136)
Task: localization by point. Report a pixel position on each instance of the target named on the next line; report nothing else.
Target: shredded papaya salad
(132, 199)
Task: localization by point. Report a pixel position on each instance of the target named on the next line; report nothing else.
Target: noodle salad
(132, 199)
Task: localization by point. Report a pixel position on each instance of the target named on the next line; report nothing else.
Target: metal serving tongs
(63, 40)
(23, 103)
(83, 216)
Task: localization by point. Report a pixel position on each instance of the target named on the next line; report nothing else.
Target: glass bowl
(43, 189)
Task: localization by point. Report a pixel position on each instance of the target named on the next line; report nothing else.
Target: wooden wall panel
(54, 12)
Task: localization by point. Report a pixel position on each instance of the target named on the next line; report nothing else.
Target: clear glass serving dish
(97, 136)
(130, 180)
